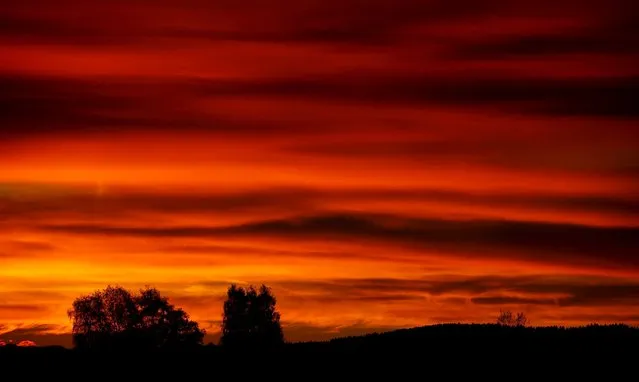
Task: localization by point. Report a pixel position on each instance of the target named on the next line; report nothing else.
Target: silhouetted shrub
(250, 319)
(114, 318)
(507, 318)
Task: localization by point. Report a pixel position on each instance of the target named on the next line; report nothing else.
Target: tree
(102, 316)
(114, 318)
(250, 318)
(507, 318)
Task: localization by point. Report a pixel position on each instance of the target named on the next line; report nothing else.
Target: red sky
(378, 163)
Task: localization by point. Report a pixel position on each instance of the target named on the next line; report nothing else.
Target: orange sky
(379, 164)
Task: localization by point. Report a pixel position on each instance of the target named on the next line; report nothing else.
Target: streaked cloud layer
(380, 164)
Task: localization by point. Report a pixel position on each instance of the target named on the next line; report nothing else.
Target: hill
(447, 347)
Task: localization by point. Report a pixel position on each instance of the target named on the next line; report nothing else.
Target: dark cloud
(300, 21)
(365, 297)
(216, 283)
(300, 331)
(266, 252)
(599, 317)
(29, 246)
(383, 286)
(198, 301)
(37, 294)
(613, 31)
(30, 330)
(185, 231)
(21, 308)
(42, 334)
(63, 104)
(500, 152)
(545, 242)
(53, 105)
(583, 203)
(503, 300)
(29, 200)
(603, 295)
(115, 22)
(33, 103)
(91, 105)
(425, 55)
(487, 290)
(611, 97)
(623, 43)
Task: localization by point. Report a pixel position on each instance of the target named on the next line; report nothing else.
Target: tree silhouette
(507, 318)
(114, 318)
(250, 318)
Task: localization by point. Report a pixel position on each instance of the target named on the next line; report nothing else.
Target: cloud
(405, 137)
(12, 308)
(298, 21)
(85, 105)
(306, 331)
(82, 201)
(587, 97)
(40, 334)
(563, 291)
(531, 241)
(29, 246)
(31, 330)
(611, 32)
(77, 102)
(207, 250)
(37, 21)
(565, 43)
(599, 317)
(37, 294)
(303, 331)
(211, 301)
(567, 153)
(90, 106)
(365, 297)
(499, 300)
(603, 295)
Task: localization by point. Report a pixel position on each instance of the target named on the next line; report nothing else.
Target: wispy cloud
(378, 168)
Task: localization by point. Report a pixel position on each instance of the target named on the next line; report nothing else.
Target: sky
(380, 164)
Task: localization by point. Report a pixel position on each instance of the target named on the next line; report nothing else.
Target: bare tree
(507, 318)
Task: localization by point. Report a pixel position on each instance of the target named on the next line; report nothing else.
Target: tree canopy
(250, 318)
(115, 318)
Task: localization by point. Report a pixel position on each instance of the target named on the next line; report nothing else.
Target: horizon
(406, 164)
(65, 340)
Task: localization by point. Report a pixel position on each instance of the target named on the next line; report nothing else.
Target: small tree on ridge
(507, 318)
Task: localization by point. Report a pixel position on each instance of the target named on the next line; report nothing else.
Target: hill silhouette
(485, 348)
(117, 332)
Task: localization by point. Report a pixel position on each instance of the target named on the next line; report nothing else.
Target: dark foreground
(431, 352)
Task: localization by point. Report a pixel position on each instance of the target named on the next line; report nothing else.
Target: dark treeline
(145, 329)
(452, 349)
